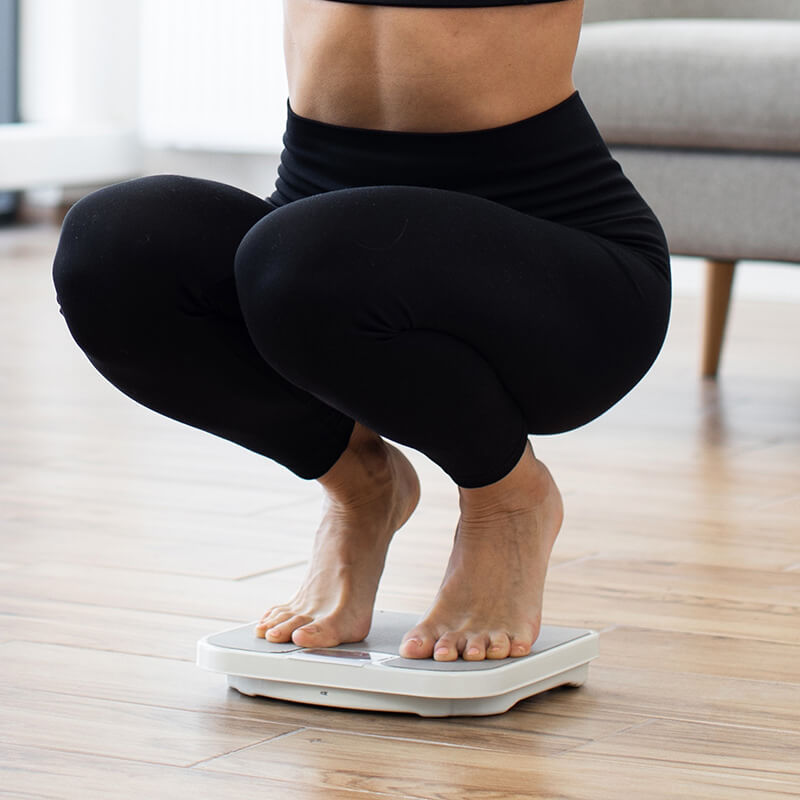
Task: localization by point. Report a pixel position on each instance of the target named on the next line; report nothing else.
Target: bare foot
(370, 492)
(490, 602)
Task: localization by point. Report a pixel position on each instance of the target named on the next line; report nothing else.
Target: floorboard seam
(642, 724)
(283, 735)
(271, 571)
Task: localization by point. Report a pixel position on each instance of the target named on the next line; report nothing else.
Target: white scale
(371, 675)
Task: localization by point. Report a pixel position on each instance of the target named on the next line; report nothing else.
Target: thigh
(568, 320)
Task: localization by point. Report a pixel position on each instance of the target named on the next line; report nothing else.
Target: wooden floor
(126, 537)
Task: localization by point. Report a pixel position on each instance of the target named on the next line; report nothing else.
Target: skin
(427, 70)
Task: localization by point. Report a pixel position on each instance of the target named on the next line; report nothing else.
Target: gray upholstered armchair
(699, 101)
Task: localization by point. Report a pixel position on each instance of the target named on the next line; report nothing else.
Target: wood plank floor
(126, 537)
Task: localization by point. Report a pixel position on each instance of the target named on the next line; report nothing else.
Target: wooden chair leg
(719, 280)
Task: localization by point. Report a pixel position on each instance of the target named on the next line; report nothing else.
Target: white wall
(755, 280)
(79, 61)
(212, 74)
(78, 95)
(188, 73)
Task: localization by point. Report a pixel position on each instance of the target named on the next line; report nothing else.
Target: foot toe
(270, 620)
(448, 646)
(315, 634)
(282, 631)
(520, 647)
(271, 612)
(499, 646)
(417, 643)
(475, 648)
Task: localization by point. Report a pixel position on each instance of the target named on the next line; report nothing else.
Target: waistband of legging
(415, 141)
(499, 162)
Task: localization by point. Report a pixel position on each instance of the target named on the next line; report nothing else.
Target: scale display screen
(339, 655)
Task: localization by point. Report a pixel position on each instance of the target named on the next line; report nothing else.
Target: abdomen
(428, 69)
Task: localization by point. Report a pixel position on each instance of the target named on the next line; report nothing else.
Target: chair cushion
(721, 83)
(727, 204)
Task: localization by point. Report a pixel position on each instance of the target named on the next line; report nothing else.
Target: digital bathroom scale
(370, 674)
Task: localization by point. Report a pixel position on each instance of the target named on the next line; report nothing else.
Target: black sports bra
(447, 3)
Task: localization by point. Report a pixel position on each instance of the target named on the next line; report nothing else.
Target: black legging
(453, 292)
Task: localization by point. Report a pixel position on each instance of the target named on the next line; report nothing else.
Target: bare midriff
(432, 70)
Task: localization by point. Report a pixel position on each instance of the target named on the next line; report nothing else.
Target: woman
(451, 259)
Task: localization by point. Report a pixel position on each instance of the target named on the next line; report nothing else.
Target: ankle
(364, 465)
(370, 450)
(526, 486)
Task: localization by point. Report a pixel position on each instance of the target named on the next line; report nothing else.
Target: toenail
(442, 651)
(417, 642)
(273, 632)
(473, 651)
(310, 628)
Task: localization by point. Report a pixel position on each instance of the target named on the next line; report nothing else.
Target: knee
(307, 256)
(89, 234)
(288, 274)
(302, 297)
(101, 229)
(270, 284)
(284, 251)
(76, 255)
(101, 263)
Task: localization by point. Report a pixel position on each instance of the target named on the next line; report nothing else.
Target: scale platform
(370, 674)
